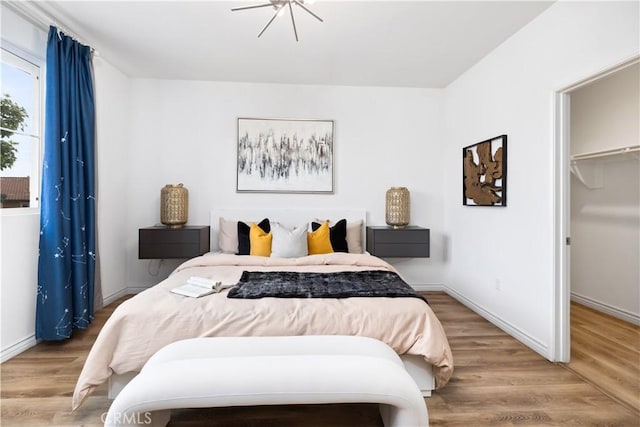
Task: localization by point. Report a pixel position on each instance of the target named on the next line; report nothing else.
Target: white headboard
(288, 217)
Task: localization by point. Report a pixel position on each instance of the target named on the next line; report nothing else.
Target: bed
(156, 317)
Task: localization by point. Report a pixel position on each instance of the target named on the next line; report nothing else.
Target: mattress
(142, 325)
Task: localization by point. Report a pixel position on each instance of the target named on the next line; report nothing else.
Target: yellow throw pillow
(260, 241)
(319, 241)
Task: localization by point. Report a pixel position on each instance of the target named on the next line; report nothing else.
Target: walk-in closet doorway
(598, 230)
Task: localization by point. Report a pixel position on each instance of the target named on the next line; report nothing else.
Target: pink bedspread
(156, 317)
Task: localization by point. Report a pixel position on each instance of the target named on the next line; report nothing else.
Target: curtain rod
(42, 19)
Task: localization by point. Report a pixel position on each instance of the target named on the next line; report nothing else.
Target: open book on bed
(197, 287)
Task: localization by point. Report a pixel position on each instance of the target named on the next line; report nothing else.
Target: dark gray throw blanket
(344, 284)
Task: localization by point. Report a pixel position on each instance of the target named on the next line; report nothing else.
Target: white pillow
(354, 236)
(288, 243)
(228, 236)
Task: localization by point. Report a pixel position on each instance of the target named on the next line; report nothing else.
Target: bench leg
(393, 416)
(160, 418)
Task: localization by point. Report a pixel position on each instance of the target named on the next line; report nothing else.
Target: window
(20, 167)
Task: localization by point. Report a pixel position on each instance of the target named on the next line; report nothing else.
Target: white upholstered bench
(245, 371)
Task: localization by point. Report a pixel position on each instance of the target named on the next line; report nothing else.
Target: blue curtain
(67, 259)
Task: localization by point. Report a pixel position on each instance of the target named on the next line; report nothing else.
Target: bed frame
(416, 366)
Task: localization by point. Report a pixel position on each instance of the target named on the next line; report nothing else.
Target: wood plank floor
(607, 351)
(497, 382)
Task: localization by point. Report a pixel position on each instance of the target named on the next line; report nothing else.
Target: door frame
(561, 343)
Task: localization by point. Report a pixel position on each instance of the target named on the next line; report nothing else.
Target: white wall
(112, 92)
(502, 261)
(19, 277)
(605, 219)
(20, 228)
(605, 240)
(185, 131)
(605, 115)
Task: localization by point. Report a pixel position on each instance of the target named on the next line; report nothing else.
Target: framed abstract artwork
(484, 173)
(285, 156)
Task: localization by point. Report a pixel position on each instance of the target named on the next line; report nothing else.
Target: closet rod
(605, 153)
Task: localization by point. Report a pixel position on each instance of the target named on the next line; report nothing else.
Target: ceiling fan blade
(270, 21)
(305, 8)
(251, 7)
(293, 20)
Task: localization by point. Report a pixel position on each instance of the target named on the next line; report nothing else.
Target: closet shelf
(606, 153)
(590, 172)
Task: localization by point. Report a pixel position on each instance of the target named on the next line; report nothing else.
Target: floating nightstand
(386, 242)
(160, 242)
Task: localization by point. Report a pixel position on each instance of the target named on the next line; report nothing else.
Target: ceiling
(360, 43)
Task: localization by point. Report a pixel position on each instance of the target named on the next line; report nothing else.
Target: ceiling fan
(279, 6)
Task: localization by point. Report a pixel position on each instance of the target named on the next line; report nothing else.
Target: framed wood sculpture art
(484, 170)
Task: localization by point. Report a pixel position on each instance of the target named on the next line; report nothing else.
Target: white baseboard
(17, 348)
(619, 313)
(429, 288)
(114, 296)
(136, 289)
(507, 327)
(531, 342)
(30, 341)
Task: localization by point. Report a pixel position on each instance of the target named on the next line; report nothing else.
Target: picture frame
(285, 156)
(484, 173)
